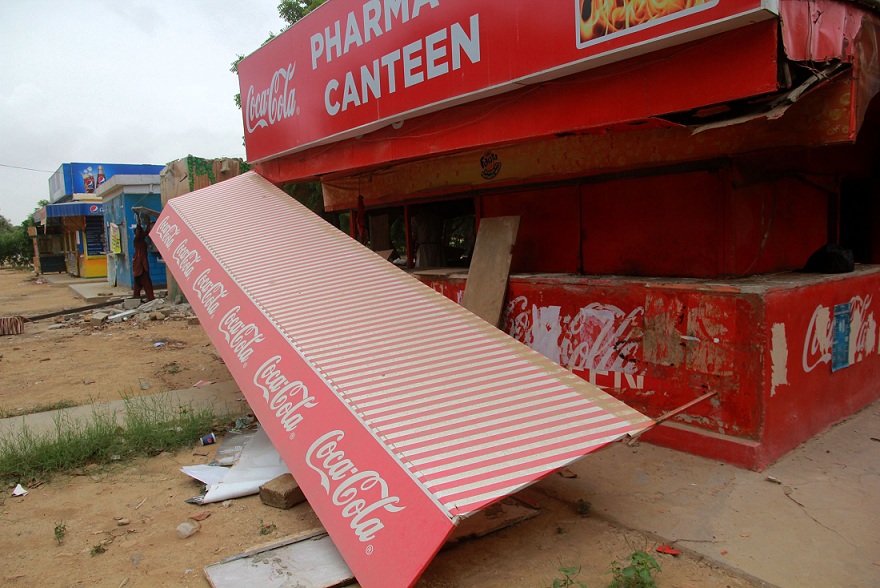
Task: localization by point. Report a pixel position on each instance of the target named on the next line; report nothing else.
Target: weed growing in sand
(568, 578)
(173, 368)
(97, 549)
(265, 529)
(638, 574)
(149, 426)
(17, 412)
(60, 532)
(583, 507)
(154, 424)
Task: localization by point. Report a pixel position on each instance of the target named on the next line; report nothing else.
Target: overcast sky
(110, 81)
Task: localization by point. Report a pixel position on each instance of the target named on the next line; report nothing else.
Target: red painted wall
(661, 225)
(655, 346)
(806, 396)
(698, 224)
(776, 226)
(658, 344)
(549, 229)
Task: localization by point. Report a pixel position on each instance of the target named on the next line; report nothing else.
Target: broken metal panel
(397, 411)
(13, 325)
(820, 30)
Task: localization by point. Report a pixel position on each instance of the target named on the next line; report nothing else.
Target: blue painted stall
(120, 195)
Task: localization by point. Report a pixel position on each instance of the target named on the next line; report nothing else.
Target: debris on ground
(282, 492)
(188, 528)
(254, 462)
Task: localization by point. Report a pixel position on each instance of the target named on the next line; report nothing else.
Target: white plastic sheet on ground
(259, 463)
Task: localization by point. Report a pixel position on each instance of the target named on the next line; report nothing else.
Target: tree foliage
(16, 247)
(290, 12)
(293, 10)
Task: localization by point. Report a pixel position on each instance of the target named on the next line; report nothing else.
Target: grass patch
(58, 405)
(150, 425)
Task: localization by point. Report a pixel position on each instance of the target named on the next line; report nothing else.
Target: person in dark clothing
(141, 262)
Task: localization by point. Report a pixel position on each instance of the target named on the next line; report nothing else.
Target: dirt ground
(81, 363)
(71, 361)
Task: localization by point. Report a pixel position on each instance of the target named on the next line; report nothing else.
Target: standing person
(141, 262)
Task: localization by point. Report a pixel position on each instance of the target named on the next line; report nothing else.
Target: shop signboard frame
(351, 67)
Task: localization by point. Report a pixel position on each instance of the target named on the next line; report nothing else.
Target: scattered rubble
(130, 310)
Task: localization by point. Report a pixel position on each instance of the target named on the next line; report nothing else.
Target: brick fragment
(282, 492)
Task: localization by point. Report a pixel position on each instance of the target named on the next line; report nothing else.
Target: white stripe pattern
(471, 413)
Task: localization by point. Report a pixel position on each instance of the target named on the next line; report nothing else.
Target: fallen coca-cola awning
(397, 411)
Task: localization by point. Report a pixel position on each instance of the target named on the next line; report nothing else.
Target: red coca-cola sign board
(397, 411)
(353, 66)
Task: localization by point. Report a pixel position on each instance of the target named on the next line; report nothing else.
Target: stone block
(99, 318)
(131, 303)
(282, 492)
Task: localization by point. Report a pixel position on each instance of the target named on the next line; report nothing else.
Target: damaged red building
(674, 165)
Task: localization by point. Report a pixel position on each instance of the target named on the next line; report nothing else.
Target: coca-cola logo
(239, 335)
(362, 495)
(166, 232)
(283, 395)
(186, 258)
(208, 291)
(274, 103)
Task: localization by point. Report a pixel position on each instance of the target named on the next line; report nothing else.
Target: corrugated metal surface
(12, 325)
(469, 414)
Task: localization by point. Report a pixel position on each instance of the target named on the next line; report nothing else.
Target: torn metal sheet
(312, 561)
(397, 411)
(307, 562)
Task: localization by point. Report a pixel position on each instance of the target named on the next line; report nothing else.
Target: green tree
(5, 225)
(291, 11)
(16, 248)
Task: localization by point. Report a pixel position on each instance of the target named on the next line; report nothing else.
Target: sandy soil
(74, 362)
(46, 365)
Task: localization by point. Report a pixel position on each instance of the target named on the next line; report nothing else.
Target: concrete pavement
(91, 290)
(810, 519)
(223, 397)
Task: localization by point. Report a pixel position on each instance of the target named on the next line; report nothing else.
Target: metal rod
(671, 414)
(110, 302)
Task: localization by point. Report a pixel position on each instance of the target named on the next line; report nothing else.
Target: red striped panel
(12, 325)
(467, 413)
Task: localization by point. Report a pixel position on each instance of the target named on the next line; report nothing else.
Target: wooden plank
(490, 267)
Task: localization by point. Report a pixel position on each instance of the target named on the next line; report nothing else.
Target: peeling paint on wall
(706, 326)
(778, 358)
(663, 343)
(600, 337)
(862, 341)
(817, 345)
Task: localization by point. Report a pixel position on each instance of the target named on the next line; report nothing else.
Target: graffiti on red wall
(819, 341)
(600, 338)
